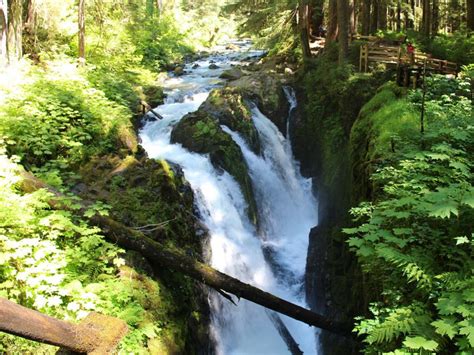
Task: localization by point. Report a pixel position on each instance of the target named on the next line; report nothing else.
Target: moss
(154, 193)
(229, 107)
(385, 121)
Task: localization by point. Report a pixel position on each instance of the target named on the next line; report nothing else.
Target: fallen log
(96, 334)
(285, 334)
(175, 259)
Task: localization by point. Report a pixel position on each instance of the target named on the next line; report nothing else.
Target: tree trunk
(374, 26)
(3, 33)
(366, 4)
(303, 12)
(382, 15)
(399, 15)
(470, 14)
(352, 17)
(15, 30)
(318, 14)
(426, 18)
(343, 24)
(174, 259)
(332, 22)
(435, 18)
(82, 31)
(411, 17)
(29, 34)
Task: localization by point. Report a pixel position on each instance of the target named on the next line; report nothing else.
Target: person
(411, 53)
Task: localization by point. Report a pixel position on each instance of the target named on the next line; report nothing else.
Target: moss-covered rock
(265, 88)
(229, 107)
(201, 133)
(153, 196)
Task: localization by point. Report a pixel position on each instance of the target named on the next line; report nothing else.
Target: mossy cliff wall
(331, 97)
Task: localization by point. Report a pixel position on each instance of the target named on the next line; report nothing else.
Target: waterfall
(291, 97)
(272, 258)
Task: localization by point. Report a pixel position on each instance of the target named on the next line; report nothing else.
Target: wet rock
(178, 71)
(232, 74)
(195, 66)
(232, 47)
(213, 66)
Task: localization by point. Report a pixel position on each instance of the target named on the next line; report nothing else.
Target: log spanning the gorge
(96, 334)
(130, 239)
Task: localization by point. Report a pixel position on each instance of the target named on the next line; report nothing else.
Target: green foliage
(269, 22)
(415, 240)
(457, 47)
(57, 123)
(54, 262)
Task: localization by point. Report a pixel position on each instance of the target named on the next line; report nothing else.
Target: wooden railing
(96, 334)
(395, 56)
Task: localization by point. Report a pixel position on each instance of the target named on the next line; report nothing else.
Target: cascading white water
(274, 257)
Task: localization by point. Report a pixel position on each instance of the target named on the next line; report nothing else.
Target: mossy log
(96, 334)
(130, 239)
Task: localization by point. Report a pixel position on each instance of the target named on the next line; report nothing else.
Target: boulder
(232, 74)
(178, 71)
(213, 66)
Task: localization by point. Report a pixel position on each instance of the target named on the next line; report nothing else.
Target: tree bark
(366, 4)
(374, 26)
(3, 33)
(382, 15)
(96, 334)
(332, 30)
(15, 30)
(399, 15)
(343, 24)
(352, 17)
(303, 12)
(470, 14)
(154, 251)
(435, 18)
(426, 18)
(82, 30)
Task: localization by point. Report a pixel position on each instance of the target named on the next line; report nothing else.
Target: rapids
(273, 257)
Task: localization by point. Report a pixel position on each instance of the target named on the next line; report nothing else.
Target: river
(272, 258)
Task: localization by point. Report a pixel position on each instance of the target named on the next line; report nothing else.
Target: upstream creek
(273, 257)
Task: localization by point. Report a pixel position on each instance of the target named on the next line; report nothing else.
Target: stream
(272, 258)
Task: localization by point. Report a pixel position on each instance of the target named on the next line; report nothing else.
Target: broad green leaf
(420, 343)
(446, 326)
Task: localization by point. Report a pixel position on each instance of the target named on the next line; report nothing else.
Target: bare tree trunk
(470, 14)
(332, 22)
(435, 18)
(303, 11)
(352, 17)
(411, 18)
(426, 18)
(343, 24)
(15, 30)
(382, 15)
(374, 26)
(29, 34)
(366, 4)
(399, 15)
(3, 32)
(82, 31)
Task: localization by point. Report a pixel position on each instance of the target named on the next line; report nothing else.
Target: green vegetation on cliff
(414, 237)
